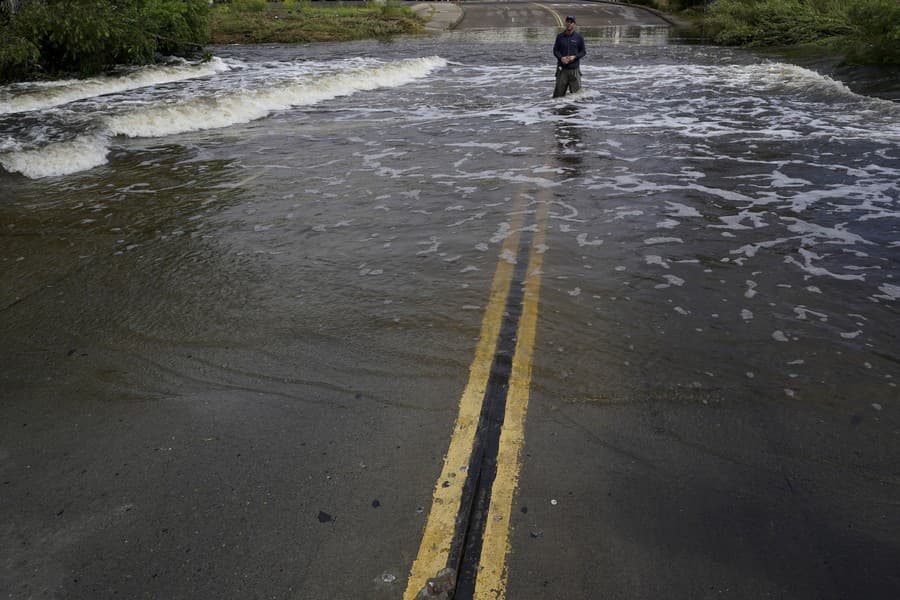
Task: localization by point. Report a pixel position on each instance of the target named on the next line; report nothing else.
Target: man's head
(570, 23)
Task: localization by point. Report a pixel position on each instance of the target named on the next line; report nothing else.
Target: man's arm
(557, 49)
(582, 50)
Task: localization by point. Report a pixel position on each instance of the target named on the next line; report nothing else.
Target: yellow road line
(247, 180)
(491, 581)
(559, 21)
(439, 529)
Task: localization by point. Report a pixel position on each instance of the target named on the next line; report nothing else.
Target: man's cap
(570, 18)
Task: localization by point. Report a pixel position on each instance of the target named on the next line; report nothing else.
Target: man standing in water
(569, 50)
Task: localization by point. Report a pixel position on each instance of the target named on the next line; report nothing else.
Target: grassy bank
(50, 39)
(865, 31)
(59, 38)
(293, 21)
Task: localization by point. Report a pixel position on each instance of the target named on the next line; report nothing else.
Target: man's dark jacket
(569, 45)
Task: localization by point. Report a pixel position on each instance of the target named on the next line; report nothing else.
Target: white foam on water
(487, 145)
(503, 231)
(582, 240)
(654, 259)
(889, 291)
(758, 102)
(670, 281)
(663, 240)
(674, 280)
(63, 158)
(802, 313)
(674, 209)
(243, 106)
(836, 235)
(433, 244)
(751, 289)
(48, 95)
(211, 112)
(808, 266)
(750, 250)
(9, 144)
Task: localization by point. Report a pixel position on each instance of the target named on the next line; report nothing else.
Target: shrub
(249, 5)
(867, 31)
(874, 35)
(88, 36)
(18, 57)
(769, 22)
(180, 27)
(294, 5)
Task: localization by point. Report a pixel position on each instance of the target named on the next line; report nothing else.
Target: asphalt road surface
(262, 357)
(488, 15)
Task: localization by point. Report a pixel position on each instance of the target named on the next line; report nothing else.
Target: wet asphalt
(251, 469)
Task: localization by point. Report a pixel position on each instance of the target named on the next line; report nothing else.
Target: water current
(720, 222)
(203, 266)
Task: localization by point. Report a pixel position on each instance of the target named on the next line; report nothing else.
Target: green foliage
(874, 32)
(867, 31)
(88, 36)
(18, 57)
(768, 22)
(391, 8)
(295, 5)
(180, 27)
(249, 5)
(85, 38)
(300, 21)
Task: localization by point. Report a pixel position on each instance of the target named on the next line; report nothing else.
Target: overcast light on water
(722, 226)
(749, 206)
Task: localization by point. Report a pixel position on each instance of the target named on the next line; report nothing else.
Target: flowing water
(733, 220)
(722, 226)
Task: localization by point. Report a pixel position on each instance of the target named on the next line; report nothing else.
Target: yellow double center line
(440, 529)
(559, 21)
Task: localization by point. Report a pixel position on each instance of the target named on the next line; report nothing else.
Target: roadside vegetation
(298, 21)
(863, 31)
(55, 38)
(45, 39)
(51, 38)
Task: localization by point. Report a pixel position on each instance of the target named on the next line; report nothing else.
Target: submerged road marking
(559, 21)
(491, 582)
(468, 526)
(440, 528)
(247, 180)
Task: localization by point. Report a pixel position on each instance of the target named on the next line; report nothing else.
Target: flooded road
(240, 300)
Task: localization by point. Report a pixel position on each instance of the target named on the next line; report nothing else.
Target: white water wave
(244, 106)
(43, 96)
(233, 107)
(889, 291)
(62, 158)
(752, 103)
